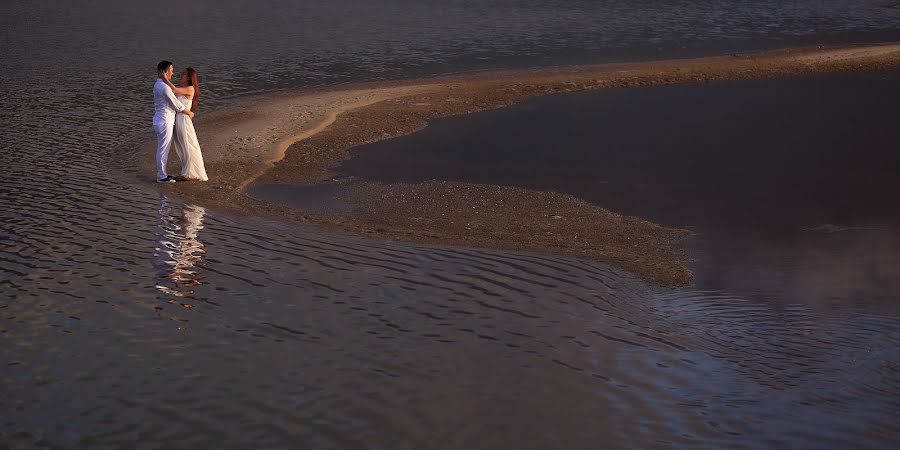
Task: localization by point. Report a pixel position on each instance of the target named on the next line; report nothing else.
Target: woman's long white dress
(187, 146)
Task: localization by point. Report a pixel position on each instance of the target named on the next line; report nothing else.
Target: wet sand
(300, 137)
(769, 156)
(789, 189)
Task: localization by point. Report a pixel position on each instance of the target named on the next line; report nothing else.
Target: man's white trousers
(164, 131)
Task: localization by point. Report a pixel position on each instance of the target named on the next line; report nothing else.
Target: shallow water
(206, 331)
(785, 181)
(130, 320)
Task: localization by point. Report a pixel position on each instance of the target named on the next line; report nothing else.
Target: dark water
(788, 181)
(129, 320)
(790, 186)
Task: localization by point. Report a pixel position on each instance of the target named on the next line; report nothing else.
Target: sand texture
(298, 137)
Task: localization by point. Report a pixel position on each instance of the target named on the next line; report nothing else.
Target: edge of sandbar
(297, 137)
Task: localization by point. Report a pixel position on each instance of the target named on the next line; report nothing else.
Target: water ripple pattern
(131, 320)
(300, 336)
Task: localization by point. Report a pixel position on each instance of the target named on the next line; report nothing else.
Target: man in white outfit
(166, 106)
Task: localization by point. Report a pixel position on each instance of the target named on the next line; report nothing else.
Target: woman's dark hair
(194, 81)
(163, 65)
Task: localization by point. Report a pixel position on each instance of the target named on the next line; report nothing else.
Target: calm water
(790, 184)
(130, 320)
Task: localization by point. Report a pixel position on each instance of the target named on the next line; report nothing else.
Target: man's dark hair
(163, 65)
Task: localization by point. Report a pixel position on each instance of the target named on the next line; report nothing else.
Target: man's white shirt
(165, 103)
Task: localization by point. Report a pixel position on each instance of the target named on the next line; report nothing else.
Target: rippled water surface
(130, 320)
(789, 183)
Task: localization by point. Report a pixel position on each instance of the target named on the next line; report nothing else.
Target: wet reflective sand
(778, 177)
(280, 336)
(130, 320)
(158, 324)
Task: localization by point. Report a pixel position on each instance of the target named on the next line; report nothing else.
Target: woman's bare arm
(186, 91)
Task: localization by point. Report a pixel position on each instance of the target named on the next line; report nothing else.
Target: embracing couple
(173, 123)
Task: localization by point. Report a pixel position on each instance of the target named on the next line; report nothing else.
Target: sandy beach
(453, 225)
(298, 137)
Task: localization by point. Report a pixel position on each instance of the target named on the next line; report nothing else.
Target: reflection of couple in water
(178, 250)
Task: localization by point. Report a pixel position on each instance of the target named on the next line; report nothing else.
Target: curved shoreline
(298, 137)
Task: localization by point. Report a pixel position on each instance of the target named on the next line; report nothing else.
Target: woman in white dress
(185, 139)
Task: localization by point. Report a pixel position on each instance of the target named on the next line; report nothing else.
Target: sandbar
(299, 137)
